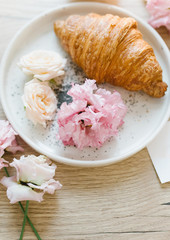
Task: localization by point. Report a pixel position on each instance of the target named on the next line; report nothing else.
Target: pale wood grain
(121, 201)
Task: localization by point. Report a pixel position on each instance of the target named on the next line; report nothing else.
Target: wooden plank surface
(120, 201)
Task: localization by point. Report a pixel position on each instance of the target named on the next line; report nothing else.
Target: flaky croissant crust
(111, 49)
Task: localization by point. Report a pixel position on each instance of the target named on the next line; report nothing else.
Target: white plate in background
(146, 115)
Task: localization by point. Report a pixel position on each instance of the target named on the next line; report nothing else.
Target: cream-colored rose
(39, 101)
(44, 65)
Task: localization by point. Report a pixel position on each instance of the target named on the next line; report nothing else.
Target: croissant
(111, 49)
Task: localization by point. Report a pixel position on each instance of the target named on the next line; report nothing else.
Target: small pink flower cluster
(93, 116)
(160, 13)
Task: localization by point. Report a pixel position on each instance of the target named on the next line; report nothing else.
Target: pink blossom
(8, 138)
(160, 13)
(32, 173)
(93, 116)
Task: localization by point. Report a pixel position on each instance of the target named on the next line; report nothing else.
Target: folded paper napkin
(159, 151)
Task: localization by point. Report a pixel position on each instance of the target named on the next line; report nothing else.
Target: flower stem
(23, 210)
(30, 223)
(6, 171)
(24, 221)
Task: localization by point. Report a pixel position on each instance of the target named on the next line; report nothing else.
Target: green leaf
(52, 81)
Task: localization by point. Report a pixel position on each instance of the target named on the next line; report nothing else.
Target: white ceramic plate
(146, 115)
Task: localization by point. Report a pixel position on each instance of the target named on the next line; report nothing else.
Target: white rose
(34, 177)
(44, 65)
(39, 101)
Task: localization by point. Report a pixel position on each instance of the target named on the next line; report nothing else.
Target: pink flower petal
(160, 13)
(7, 134)
(67, 111)
(3, 163)
(7, 138)
(17, 192)
(1, 152)
(85, 92)
(14, 147)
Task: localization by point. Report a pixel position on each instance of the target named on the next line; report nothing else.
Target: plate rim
(64, 160)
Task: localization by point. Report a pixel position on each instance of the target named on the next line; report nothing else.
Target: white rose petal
(17, 192)
(39, 169)
(39, 101)
(49, 186)
(44, 65)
